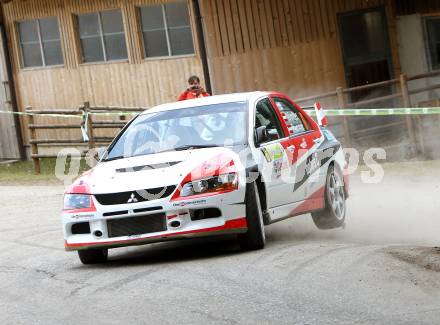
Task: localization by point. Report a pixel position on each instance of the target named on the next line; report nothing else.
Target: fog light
(175, 224)
(98, 233)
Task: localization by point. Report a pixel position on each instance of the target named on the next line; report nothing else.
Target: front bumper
(229, 219)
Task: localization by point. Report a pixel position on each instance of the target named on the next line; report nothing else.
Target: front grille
(147, 209)
(135, 196)
(115, 213)
(138, 225)
(118, 213)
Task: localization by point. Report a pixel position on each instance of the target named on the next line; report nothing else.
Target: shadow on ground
(172, 252)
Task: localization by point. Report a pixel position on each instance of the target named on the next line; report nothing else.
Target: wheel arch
(335, 165)
(262, 193)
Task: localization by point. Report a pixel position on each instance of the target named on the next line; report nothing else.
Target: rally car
(227, 164)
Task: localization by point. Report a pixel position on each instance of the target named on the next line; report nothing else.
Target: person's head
(194, 82)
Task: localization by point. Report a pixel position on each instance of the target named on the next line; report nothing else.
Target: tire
(93, 256)
(333, 215)
(255, 237)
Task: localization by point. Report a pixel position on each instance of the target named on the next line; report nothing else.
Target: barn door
(9, 135)
(366, 50)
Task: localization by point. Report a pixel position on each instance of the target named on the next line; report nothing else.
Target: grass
(23, 171)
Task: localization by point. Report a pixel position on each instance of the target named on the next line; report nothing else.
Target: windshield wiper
(114, 158)
(189, 147)
(195, 146)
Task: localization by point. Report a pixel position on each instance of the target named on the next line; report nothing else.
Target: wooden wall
(137, 82)
(286, 45)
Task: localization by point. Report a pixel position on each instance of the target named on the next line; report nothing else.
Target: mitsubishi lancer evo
(227, 164)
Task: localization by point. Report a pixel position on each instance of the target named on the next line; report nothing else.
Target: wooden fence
(400, 96)
(400, 92)
(90, 125)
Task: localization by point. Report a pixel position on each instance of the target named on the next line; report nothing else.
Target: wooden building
(139, 53)
(293, 46)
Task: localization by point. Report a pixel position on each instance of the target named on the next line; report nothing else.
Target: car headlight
(77, 201)
(221, 183)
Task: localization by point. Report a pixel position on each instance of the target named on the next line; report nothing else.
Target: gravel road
(383, 268)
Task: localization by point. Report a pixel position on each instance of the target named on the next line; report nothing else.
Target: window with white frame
(40, 42)
(102, 36)
(166, 30)
(433, 41)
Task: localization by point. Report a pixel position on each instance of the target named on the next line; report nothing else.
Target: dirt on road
(382, 268)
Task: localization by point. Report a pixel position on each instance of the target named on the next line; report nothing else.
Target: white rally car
(226, 164)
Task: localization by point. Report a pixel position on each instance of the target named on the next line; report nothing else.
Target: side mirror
(272, 134)
(261, 135)
(100, 153)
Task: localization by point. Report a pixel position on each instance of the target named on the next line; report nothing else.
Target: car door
(304, 137)
(273, 157)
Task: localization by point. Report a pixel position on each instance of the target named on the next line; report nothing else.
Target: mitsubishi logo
(132, 199)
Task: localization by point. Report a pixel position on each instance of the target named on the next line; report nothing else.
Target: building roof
(211, 100)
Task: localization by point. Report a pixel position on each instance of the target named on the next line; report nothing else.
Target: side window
(295, 121)
(102, 36)
(265, 115)
(40, 42)
(166, 30)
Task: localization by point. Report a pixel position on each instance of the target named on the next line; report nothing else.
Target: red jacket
(191, 94)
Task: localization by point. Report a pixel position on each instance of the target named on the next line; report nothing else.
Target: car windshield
(182, 129)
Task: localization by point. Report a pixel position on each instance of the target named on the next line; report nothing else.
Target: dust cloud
(402, 209)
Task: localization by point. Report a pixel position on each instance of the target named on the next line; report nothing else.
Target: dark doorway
(366, 51)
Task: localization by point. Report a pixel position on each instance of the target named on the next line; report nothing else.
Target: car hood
(150, 171)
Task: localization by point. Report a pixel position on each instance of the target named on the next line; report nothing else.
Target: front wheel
(333, 216)
(93, 256)
(255, 237)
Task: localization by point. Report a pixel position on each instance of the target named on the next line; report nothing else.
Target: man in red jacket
(194, 90)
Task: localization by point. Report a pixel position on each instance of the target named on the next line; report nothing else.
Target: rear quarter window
(296, 122)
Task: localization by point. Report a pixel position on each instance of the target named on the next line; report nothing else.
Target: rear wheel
(333, 216)
(255, 237)
(93, 256)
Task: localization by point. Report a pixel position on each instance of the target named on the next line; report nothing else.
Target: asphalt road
(383, 268)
